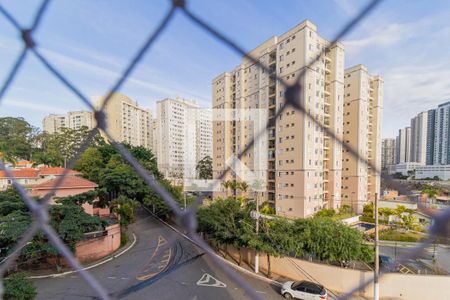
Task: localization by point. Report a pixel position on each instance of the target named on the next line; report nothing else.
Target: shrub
(17, 286)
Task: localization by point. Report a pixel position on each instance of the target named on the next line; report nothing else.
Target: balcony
(272, 91)
(272, 102)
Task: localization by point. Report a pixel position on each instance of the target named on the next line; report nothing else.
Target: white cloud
(157, 86)
(32, 105)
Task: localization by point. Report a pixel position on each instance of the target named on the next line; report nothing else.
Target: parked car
(305, 290)
(387, 264)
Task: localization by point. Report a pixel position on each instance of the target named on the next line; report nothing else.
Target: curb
(239, 268)
(55, 275)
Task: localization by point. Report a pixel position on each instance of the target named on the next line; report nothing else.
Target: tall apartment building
(441, 147)
(78, 119)
(183, 137)
(204, 134)
(387, 153)
(403, 145)
(430, 136)
(73, 119)
(304, 164)
(363, 105)
(419, 132)
(54, 123)
(127, 122)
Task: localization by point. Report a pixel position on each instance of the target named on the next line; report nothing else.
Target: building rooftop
(67, 183)
(21, 173)
(56, 171)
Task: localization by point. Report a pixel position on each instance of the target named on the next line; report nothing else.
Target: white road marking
(208, 280)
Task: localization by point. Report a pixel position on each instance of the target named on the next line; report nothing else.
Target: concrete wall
(96, 248)
(392, 286)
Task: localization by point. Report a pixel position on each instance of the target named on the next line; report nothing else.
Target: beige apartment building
(363, 105)
(127, 122)
(73, 119)
(54, 123)
(304, 164)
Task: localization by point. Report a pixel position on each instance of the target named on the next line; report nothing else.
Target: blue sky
(90, 41)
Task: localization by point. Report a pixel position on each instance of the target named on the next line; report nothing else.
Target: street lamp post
(257, 232)
(376, 286)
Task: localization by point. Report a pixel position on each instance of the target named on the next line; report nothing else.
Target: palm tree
(234, 186)
(226, 184)
(243, 186)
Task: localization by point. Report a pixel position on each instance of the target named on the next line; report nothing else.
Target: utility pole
(376, 286)
(257, 232)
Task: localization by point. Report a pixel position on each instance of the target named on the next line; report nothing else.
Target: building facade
(54, 123)
(126, 121)
(73, 120)
(403, 145)
(387, 153)
(441, 147)
(182, 137)
(303, 164)
(363, 106)
(419, 138)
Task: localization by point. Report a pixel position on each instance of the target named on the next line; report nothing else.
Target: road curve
(151, 270)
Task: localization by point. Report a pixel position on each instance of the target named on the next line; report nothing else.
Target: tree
(243, 186)
(90, 164)
(71, 223)
(14, 219)
(277, 240)
(17, 286)
(16, 136)
(386, 212)
(227, 185)
(204, 168)
(368, 210)
(124, 207)
(234, 185)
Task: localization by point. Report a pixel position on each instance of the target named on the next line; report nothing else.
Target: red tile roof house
(70, 186)
(26, 177)
(29, 177)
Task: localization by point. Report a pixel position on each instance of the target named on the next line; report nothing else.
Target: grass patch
(394, 235)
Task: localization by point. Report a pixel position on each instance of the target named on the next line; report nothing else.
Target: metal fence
(186, 219)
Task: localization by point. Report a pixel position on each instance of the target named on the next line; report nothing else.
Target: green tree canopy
(16, 137)
(204, 168)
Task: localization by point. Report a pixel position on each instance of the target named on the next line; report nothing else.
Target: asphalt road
(416, 264)
(152, 271)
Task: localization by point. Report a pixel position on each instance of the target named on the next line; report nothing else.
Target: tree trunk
(226, 251)
(240, 257)
(269, 269)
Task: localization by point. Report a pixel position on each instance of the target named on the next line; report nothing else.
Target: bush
(123, 238)
(17, 286)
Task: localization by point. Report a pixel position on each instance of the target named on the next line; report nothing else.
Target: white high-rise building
(182, 137)
(403, 145)
(419, 131)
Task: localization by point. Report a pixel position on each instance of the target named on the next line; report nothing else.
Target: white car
(305, 290)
